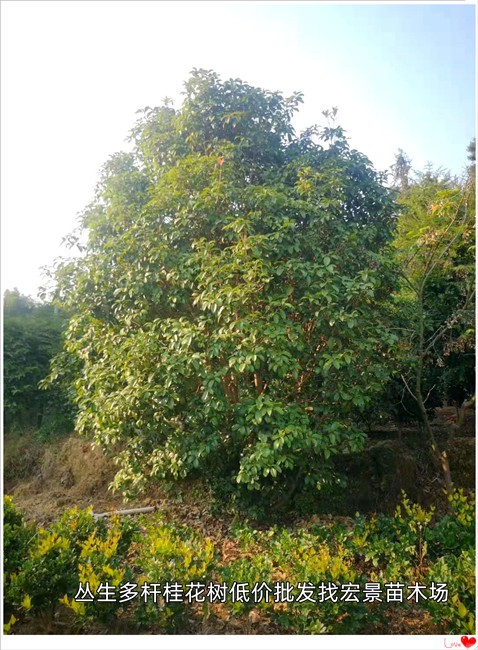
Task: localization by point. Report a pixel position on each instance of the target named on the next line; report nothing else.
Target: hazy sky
(74, 73)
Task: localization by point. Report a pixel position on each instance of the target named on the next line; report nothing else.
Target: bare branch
(408, 388)
(428, 394)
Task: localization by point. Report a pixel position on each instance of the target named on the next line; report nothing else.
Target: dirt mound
(45, 479)
(69, 472)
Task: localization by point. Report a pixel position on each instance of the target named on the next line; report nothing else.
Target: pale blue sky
(74, 73)
(416, 62)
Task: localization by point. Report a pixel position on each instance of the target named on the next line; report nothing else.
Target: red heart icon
(468, 641)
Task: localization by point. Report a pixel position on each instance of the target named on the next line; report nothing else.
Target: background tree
(230, 314)
(32, 337)
(435, 248)
(401, 170)
(472, 151)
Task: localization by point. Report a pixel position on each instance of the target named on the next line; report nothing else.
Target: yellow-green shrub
(166, 553)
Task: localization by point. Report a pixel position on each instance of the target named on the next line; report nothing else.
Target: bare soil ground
(46, 479)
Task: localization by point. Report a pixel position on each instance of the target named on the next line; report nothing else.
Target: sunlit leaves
(231, 308)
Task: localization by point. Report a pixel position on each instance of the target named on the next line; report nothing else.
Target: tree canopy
(231, 309)
(436, 252)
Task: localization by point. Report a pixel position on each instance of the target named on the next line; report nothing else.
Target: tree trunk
(439, 459)
(461, 413)
(290, 493)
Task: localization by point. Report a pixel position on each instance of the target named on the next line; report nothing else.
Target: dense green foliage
(435, 306)
(413, 545)
(31, 338)
(230, 313)
(436, 251)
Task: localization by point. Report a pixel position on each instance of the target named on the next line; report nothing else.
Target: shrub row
(44, 567)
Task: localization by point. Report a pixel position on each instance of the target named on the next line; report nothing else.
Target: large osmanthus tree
(230, 310)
